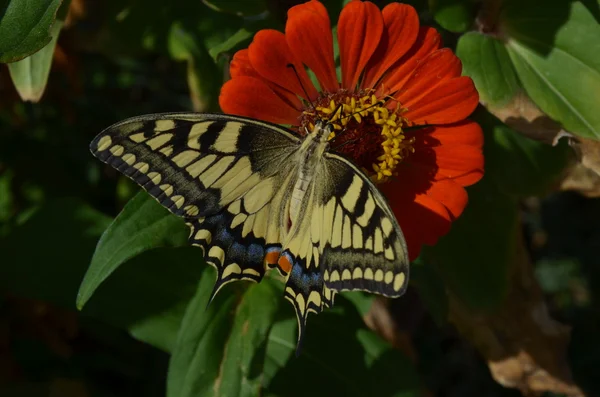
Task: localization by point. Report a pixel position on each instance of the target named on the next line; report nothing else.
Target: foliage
(78, 236)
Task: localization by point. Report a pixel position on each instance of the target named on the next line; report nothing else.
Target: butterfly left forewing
(223, 174)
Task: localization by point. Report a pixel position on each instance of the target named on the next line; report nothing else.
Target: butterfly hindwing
(364, 249)
(225, 175)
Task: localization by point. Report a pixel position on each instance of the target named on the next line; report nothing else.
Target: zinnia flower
(408, 102)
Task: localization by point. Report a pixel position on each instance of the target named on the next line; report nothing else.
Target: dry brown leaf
(522, 115)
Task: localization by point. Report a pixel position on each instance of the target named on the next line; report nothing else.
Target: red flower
(394, 77)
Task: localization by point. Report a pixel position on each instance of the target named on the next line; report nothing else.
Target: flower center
(365, 130)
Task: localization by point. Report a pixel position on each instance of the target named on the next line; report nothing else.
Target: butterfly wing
(348, 239)
(227, 176)
(364, 249)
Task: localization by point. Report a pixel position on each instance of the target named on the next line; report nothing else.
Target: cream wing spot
(226, 141)
(346, 275)
(191, 210)
(251, 272)
(235, 207)
(217, 253)
(142, 167)
(155, 177)
(347, 233)
(167, 150)
(159, 141)
(369, 244)
(399, 281)
(351, 196)
(357, 273)
(378, 247)
(364, 218)
(389, 253)
(238, 220)
(259, 196)
(203, 234)
(184, 158)
(104, 143)
(167, 189)
(129, 158)
(368, 274)
(198, 167)
(195, 132)
(164, 125)
(326, 275)
(234, 268)
(389, 277)
(336, 231)
(335, 276)
(357, 237)
(213, 173)
(379, 275)
(117, 150)
(178, 200)
(386, 226)
(138, 138)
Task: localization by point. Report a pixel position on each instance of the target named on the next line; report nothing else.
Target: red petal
(399, 34)
(450, 194)
(269, 54)
(239, 96)
(308, 34)
(240, 65)
(359, 31)
(452, 101)
(438, 67)
(422, 219)
(427, 41)
(452, 152)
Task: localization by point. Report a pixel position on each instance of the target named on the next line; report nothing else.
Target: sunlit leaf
(555, 49)
(25, 27)
(486, 61)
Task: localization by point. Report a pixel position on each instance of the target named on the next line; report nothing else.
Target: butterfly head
(322, 130)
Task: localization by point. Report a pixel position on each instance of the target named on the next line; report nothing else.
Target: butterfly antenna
(293, 67)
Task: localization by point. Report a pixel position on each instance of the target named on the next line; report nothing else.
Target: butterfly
(258, 196)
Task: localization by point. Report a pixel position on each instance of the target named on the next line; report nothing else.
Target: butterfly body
(258, 196)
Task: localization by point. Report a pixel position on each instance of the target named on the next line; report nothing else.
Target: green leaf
(149, 293)
(555, 49)
(25, 27)
(45, 258)
(339, 357)
(518, 165)
(142, 225)
(238, 7)
(453, 15)
(474, 257)
(486, 61)
(30, 75)
(220, 349)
